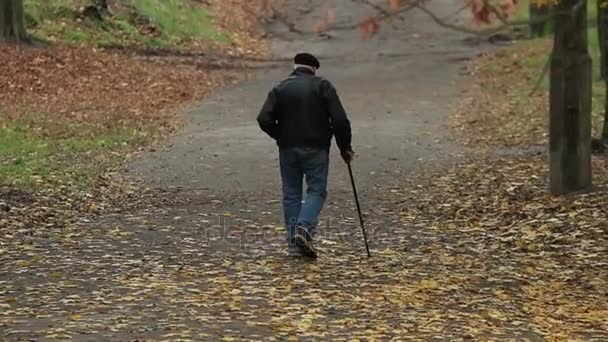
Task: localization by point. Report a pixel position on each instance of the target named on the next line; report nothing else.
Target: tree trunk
(102, 4)
(602, 33)
(570, 101)
(604, 138)
(538, 29)
(12, 23)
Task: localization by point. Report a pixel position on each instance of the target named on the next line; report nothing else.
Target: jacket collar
(302, 71)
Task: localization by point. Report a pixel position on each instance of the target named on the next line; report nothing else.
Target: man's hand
(348, 156)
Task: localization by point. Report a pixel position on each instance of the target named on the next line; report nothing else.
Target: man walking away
(302, 113)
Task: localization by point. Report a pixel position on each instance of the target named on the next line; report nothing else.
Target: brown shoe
(304, 241)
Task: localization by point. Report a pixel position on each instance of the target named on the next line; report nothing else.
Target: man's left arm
(267, 119)
(340, 125)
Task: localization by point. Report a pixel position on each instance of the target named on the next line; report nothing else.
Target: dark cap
(306, 59)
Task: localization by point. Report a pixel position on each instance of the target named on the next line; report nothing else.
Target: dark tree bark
(102, 4)
(570, 101)
(12, 23)
(538, 29)
(602, 33)
(605, 128)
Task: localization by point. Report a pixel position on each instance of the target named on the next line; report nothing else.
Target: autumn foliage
(484, 12)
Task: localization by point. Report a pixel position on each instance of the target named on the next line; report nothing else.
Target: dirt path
(397, 89)
(214, 266)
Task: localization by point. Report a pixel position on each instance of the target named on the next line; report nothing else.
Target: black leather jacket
(305, 110)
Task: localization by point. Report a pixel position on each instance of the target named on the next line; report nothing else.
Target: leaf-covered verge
(498, 108)
(544, 256)
(530, 261)
(69, 113)
(66, 109)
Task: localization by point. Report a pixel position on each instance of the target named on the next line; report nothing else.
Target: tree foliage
(495, 13)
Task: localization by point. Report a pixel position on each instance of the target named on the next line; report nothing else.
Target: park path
(397, 89)
(211, 264)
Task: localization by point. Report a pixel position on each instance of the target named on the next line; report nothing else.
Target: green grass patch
(36, 151)
(38, 13)
(502, 111)
(78, 36)
(150, 23)
(523, 13)
(536, 63)
(179, 20)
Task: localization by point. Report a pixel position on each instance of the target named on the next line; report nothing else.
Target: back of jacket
(305, 110)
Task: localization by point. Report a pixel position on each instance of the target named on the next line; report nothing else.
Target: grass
(502, 110)
(78, 36)
(35, 151)
(523, 13)
(150, 23)
(37, 12)
(179, 20)
(594, 51)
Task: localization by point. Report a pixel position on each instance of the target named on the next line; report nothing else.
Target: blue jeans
(297, 163)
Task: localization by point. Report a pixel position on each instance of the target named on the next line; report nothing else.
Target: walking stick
(352, 181)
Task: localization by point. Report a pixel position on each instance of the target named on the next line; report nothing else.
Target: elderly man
(301, 114)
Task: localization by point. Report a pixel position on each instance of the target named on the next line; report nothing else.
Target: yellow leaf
(304, 324)
(24, 263)
(427, 284)
(501, 295)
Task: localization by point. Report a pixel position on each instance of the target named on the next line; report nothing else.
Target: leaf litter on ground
(479, 250)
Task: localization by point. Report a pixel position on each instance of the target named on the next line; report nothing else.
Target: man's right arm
(267, 119)
(340, 124)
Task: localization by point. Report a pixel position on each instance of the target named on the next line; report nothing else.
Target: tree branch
(495, 10)
(441, 22)
(384, 15)
(383, 11)
(458, 11)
